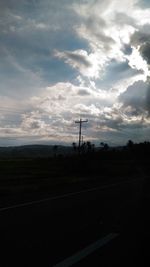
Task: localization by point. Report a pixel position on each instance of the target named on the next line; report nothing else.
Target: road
(50, 231)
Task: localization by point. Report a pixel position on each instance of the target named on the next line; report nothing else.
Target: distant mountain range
(40, 151)
(34, 151)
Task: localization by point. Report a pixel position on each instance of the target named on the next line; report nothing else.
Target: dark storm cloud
(142, 38)
(145, 51)
(148, 98)
(137, 97)
(139, 38)
(113, 123)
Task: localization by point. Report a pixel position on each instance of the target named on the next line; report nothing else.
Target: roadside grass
(23, 175)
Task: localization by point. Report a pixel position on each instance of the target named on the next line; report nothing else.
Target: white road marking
(86, 251)
(63, 196)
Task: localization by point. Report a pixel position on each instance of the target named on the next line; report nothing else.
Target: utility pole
(80, 131)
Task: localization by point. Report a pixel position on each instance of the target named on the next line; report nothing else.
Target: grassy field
(23, 175)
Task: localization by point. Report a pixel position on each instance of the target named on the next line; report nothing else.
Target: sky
(63, 60)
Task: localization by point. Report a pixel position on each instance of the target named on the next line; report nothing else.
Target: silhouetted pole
(80, 130)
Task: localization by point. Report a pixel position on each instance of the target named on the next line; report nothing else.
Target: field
(30, 176)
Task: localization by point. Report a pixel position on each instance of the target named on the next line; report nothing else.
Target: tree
(83, 147)
(89, 146)
(130, 144)
(105, 146)
(74, 146)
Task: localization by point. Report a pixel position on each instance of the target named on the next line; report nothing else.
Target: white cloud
(87, 64)
(136, 61)
(107, 28)
(103, 31)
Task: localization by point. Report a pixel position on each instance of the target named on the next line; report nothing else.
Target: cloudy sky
(63, 60)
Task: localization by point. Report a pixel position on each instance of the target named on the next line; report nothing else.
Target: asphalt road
(48, 232)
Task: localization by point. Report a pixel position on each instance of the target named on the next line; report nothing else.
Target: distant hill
(34, 151)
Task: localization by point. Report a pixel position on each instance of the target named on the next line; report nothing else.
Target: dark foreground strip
(86, 251)
(66, 195)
